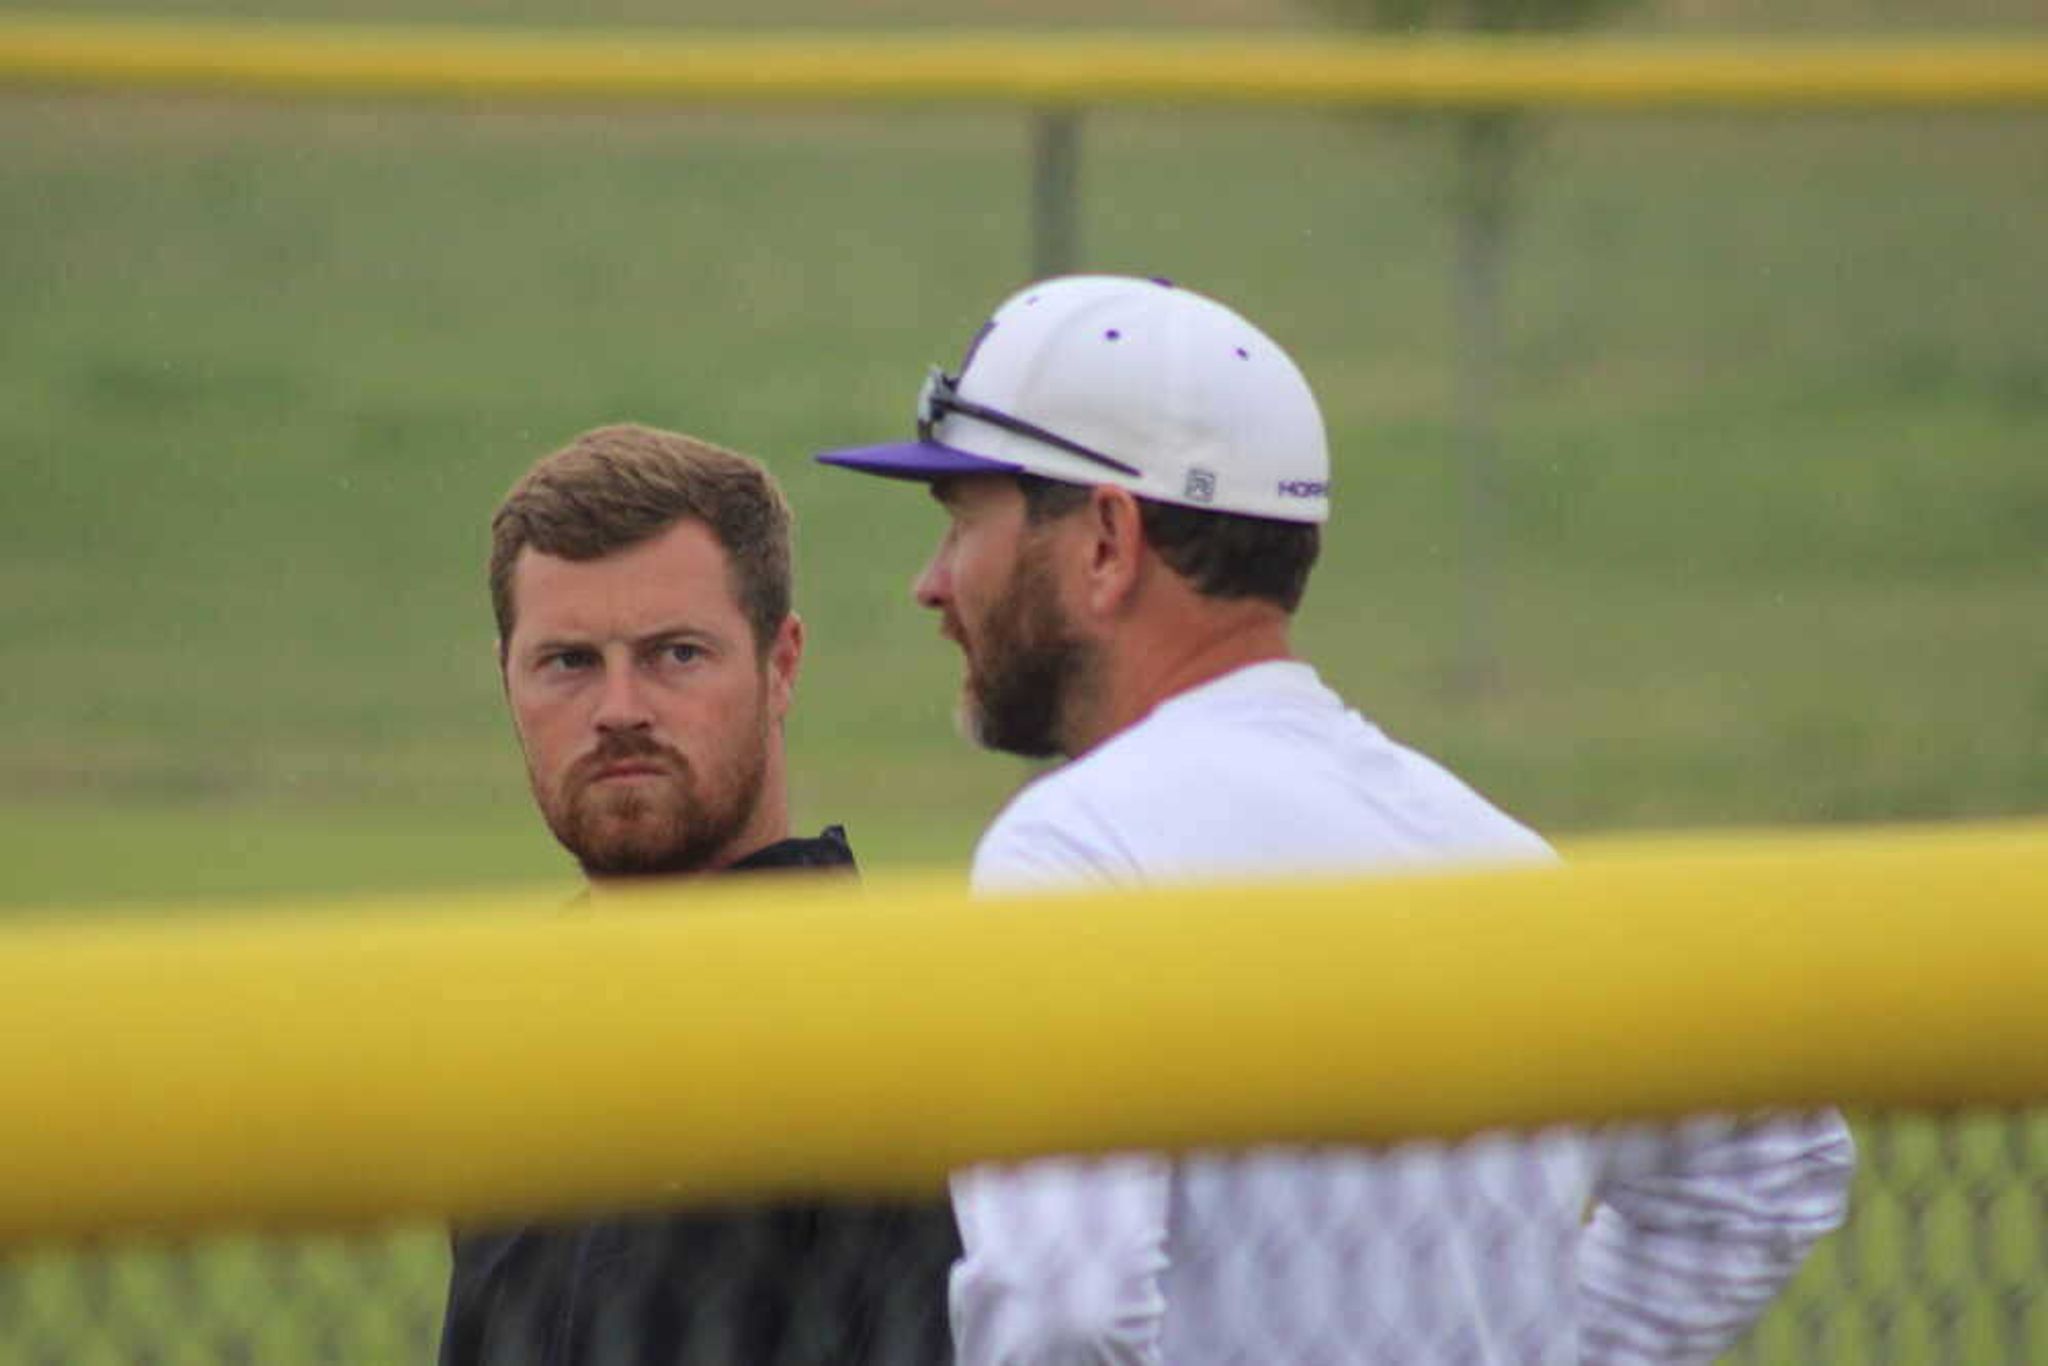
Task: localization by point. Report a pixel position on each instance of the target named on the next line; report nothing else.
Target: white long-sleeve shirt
(1645, 1244)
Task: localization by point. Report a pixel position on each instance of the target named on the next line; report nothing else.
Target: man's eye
(563, 661)
(682, 652)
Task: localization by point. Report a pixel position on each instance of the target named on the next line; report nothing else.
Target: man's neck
(759, 835)
(1167, 654)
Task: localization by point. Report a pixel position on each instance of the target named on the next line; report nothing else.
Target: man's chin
(969, 722)
(973, 722)
(637, 840)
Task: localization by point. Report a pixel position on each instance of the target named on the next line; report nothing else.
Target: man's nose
(933, 586)
(622, 702)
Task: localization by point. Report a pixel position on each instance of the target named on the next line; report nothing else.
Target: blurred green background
(1770, 545)
(1770, 542)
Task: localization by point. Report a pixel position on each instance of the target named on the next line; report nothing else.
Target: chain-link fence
(1943, 1260)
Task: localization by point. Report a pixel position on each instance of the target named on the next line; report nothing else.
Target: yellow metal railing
(314, 1069)
(1034, 69)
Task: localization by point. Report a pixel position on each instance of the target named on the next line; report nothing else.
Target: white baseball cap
(1102, 379)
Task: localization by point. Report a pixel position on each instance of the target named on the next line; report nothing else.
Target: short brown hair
(617, 486)
(1223, 554)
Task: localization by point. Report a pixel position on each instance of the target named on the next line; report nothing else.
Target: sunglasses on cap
(941, 395)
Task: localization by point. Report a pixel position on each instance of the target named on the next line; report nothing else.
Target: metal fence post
(1055, 170)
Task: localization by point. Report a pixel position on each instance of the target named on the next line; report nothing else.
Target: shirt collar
(1268, 678)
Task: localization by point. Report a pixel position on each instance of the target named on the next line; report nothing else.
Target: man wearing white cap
(1135, 479)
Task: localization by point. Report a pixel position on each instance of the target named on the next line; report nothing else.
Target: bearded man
(1135, 479)
(642, 587)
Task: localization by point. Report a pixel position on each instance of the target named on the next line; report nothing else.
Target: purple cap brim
(923, 460)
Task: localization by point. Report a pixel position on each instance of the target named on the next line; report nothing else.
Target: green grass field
(1769, 545)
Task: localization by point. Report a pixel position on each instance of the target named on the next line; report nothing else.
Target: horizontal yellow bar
(328, 1067)
(295, 59)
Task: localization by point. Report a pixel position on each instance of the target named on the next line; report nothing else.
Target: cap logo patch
(1303, 488)
(1201, 486)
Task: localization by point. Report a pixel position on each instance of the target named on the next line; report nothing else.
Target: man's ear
(785, 658)
(1115, 529)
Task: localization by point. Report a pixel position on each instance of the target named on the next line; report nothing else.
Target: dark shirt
(764, 1285)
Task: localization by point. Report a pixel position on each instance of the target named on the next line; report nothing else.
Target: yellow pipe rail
(464, 63)
(723, 1040)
